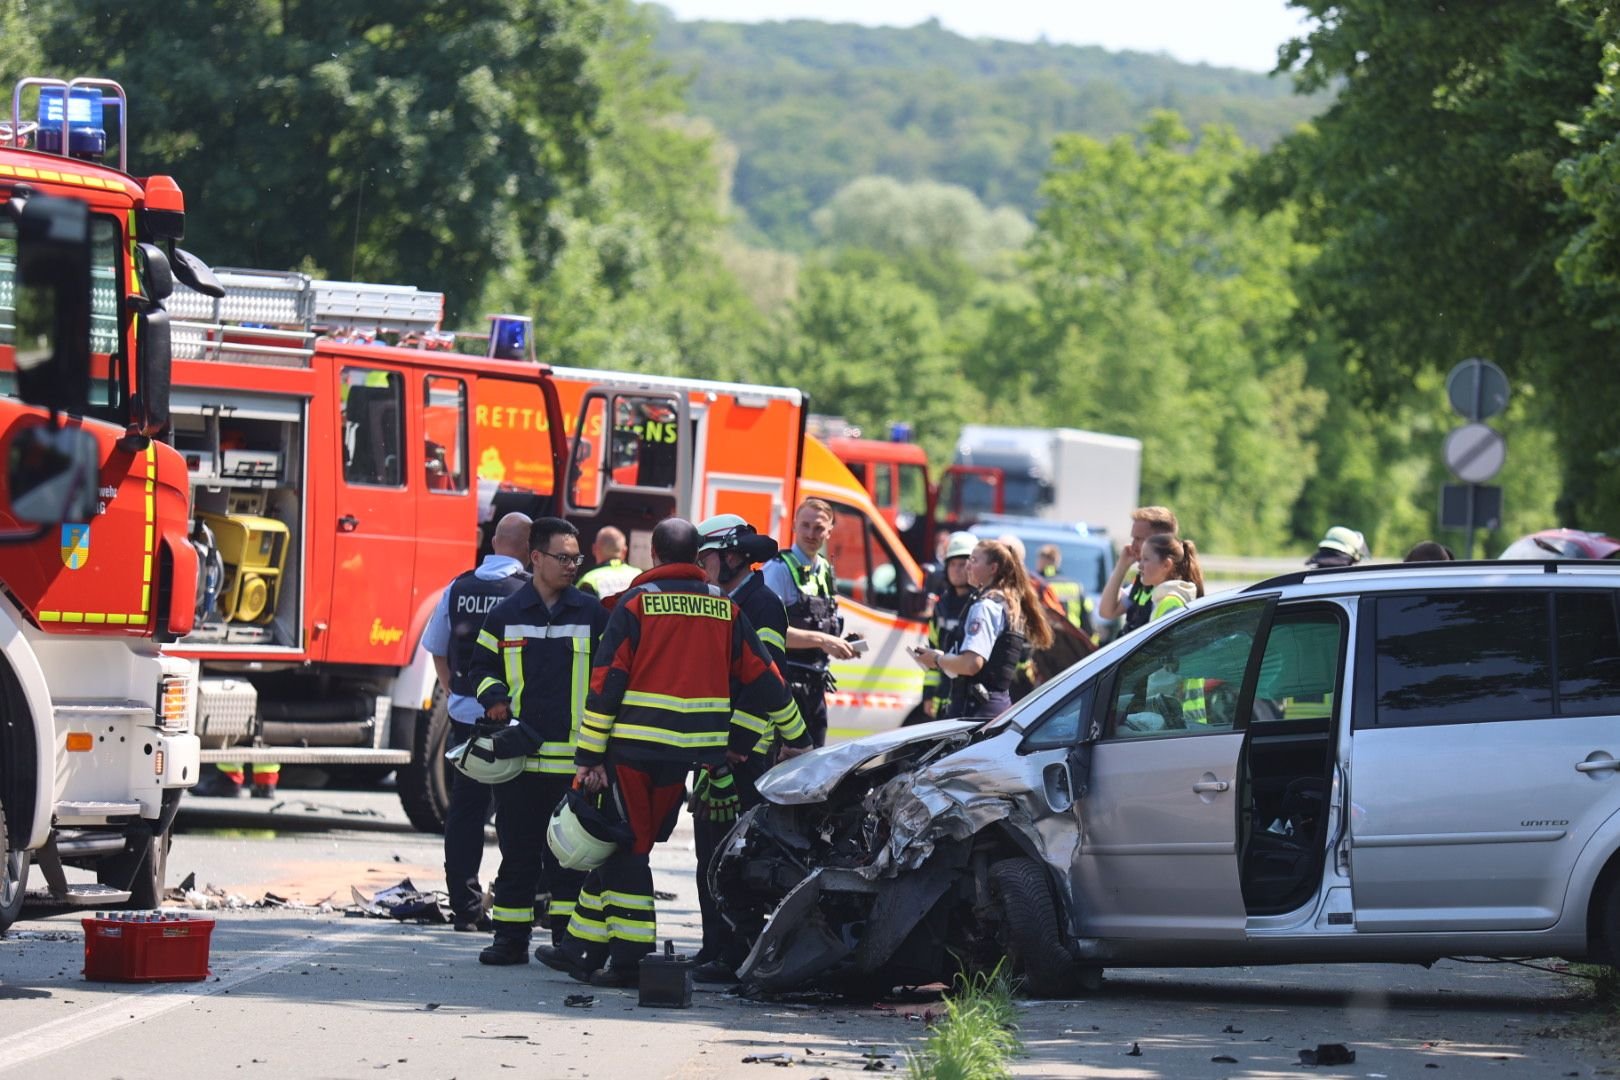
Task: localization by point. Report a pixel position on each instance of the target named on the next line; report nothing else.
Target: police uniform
(676, 660)
(538, 660)
(944, 628)
(1138, 605)
(452, 632)
(986, 632)
(765, 613)
(806, 589)
(608, 579)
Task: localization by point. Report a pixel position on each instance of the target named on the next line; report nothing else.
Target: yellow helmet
(577, 846)
(479, 768)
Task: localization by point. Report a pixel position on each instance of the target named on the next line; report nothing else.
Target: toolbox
(666, 980)
(146, 946)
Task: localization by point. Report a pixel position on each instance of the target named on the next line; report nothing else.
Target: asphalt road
(300, 993)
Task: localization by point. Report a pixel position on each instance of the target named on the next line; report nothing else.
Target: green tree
(415, 143)
(1155, 311)
(1431, 188)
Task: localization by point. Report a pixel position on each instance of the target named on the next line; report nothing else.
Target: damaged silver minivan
(1373, 764)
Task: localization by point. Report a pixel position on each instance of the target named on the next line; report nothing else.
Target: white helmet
(721, 532)
(576, 846)
(960, 545)
(479, 768)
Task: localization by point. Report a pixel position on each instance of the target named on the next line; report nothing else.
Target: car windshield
(1543, 547)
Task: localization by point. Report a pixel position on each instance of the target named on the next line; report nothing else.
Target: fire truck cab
(95, 571)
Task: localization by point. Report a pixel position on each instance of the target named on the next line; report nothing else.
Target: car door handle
(1601, 765)
(348, 523)
(1205, 786)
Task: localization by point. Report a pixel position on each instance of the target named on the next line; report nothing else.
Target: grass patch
(978, 1037)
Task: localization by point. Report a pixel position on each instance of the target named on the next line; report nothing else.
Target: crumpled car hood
(811, 778)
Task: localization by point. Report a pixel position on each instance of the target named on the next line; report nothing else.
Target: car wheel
(14, 865)
(1609, 915)
(142, 869)
(424, 784)
(1031, 935)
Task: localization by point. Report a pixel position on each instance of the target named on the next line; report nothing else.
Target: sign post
(1474, 452)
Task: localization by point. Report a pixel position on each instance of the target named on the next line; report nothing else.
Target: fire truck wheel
(142, 871)
(15, 882)
(424, 784)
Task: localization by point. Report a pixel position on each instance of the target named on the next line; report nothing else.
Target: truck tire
(424, 784)
(14, 882)
(1030, 932)
(142, 869)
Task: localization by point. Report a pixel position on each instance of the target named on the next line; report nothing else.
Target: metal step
(94, 813)
(308, 755)
(80, 895)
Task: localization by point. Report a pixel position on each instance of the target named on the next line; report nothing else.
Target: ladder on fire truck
(273, 316)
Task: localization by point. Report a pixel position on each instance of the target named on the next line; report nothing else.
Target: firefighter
(451, 638)
(804, 581)
(1070, 595)
(679, 679)
(230, 780)
(728, 550)
(611, 575)
(531, 670)
(948, 611)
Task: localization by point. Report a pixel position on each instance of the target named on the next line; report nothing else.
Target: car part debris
(1328, 1054)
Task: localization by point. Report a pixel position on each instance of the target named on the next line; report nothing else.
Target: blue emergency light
(900, 431)
(509, 337)
(87, 137)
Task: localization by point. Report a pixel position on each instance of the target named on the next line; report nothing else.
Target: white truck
(1061, 474)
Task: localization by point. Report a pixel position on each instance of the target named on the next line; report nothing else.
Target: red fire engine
(95, 724)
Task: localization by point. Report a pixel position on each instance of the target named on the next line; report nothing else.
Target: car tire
(13, 877)
(1031, 935)
(1609, 924)
(142, 870)
(424, 784)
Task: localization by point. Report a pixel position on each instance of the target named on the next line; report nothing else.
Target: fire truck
(348, 459)
(96, 738)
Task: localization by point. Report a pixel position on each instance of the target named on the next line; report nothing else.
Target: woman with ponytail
(986, 649)
(1169, 565)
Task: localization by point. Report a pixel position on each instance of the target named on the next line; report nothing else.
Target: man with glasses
(531, 672)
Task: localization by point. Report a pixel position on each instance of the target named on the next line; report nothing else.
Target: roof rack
(1547, 566)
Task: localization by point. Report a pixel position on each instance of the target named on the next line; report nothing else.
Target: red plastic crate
(129, 949)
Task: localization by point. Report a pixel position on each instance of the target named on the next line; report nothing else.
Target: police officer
(1135, 602)
(947, 620)
(611, 574)
(803, 579)
(678, 668)
(1004, 615)
(451, 638)
(532, 671)
(728, 550)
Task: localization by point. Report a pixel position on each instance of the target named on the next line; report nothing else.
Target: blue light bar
(87, 135)
(509, 337)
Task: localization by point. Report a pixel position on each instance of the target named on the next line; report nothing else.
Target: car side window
(1462, 657)
(1187, 679)
(1063, 725)
(1299, 673)
(1588, 653)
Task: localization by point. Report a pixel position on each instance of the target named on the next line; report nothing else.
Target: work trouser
(523, 807)
(615, 920)
(719, 941)
(809, 689)
(267, 773)
(464, 835)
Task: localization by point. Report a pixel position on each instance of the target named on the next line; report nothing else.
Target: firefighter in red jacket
(677, 658)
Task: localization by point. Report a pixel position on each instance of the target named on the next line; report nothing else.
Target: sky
(1227, 33)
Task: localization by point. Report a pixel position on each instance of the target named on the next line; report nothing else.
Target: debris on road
(404, 902)
(579, 1001)
(1328, 1054)
(779, 1060)
(1135, 1050)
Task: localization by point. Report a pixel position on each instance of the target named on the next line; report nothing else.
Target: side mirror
(155, 272)
(154, 361)
(53, 302)
(52, 475)
(195, 274)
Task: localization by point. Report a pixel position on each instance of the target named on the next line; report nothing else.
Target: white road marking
(138, 1005)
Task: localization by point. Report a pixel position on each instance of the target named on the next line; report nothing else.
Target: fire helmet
(480, 768)
(580, 835)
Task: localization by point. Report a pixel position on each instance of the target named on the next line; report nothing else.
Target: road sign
(1477, 389)
(1470, 506)
(1474, 453)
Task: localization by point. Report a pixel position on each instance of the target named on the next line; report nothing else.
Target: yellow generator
(255, 553)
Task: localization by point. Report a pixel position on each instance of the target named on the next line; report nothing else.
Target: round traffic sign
(1474, 453)
(1477, 389)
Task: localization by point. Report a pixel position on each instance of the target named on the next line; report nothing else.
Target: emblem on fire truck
(75, 546)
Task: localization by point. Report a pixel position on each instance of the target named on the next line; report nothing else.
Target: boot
(505, 951)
